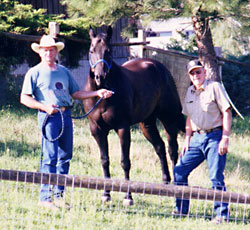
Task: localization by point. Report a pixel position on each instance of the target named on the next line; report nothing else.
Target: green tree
(203, 13)
(16, 19)
(19, 19)
(229, 35)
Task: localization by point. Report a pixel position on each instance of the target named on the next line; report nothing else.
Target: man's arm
(81, 94)
(189, 133)
(29, 101)
(226, 124)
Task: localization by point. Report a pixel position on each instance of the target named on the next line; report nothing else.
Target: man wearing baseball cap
(208, 128)
(49, 87)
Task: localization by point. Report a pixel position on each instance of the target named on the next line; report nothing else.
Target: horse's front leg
(124, 135)
(101, 138)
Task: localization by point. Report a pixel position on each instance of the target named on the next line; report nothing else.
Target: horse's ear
(109, 33)
(91, 32)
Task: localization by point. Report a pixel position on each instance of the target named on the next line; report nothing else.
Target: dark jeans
(202, 147)
(55, 156)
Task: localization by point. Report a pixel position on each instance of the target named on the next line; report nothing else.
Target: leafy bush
(23, 19)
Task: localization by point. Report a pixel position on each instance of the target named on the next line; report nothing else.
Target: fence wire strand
(20, 210)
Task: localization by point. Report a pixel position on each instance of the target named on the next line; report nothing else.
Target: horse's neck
(115, 69)
(90, 84)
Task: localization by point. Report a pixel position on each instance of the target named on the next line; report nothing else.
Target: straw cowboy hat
(47, 41)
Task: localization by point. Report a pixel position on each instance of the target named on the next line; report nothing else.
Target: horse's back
(146, 71)
(153, 85)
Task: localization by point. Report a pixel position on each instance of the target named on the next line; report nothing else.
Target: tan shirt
(204, 105)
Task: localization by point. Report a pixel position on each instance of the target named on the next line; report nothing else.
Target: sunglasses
(197, 72)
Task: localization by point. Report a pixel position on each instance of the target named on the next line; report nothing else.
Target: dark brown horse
(144, 91)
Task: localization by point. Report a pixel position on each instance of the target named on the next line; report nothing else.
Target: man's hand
(104, 93)
(50, 109)
(223, 145)
(185, 146)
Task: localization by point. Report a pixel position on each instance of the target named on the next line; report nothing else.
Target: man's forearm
(227, 122)
(81, 95)
(30, 102)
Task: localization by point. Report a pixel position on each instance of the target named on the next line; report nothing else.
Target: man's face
(48, 54)
(197, 76)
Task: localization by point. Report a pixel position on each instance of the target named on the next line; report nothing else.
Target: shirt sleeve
(28, 83)
(221, 97)
(73, 86)
(186, 101)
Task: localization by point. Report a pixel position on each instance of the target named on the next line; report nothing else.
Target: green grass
(20, 150)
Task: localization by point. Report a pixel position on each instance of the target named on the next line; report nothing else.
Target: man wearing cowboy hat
(48, 87)
(208, 128)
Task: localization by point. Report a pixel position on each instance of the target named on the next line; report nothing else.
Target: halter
(98, 61)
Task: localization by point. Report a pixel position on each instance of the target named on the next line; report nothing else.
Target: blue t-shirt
(50, 86)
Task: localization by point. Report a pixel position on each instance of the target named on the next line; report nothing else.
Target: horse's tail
(181, 121)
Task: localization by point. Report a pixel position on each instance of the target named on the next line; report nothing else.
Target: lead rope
(44, 125)
(86, 114)
(62, 119)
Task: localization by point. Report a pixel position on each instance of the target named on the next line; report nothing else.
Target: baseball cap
(193, 64)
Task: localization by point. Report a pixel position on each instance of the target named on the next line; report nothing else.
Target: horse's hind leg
(151, 132)
(172, 132)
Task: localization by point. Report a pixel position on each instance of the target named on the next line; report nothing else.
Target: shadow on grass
(19, 149)
(235, 163)
(241, 127)
(17, 110)
(158, 211)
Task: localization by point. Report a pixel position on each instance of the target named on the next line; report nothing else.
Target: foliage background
(18, 18)
(20, 148)
(24, 19)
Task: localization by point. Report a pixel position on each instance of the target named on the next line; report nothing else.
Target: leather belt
(202, 131)
(64, 108)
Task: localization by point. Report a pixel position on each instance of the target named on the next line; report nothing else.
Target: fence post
(53, 32)
(218, 51)
(141, 38)
(53, 29)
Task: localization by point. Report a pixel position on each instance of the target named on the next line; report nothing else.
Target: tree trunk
(205, 46)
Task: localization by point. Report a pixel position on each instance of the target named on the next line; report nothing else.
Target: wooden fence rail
(35, 38)
(124, 186)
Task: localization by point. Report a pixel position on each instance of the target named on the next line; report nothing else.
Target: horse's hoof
(128, 202)
(106, 199)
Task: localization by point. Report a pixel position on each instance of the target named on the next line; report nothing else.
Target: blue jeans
(56, 155)
(202, 147)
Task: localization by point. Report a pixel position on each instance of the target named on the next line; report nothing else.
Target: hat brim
(195, 67)
(36, 47)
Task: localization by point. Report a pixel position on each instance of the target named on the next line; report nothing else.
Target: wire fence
(153, 203)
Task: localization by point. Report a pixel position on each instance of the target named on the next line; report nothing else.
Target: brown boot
(48, 205)
(62, 204)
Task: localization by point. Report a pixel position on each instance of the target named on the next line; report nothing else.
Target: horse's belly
(116, 121)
